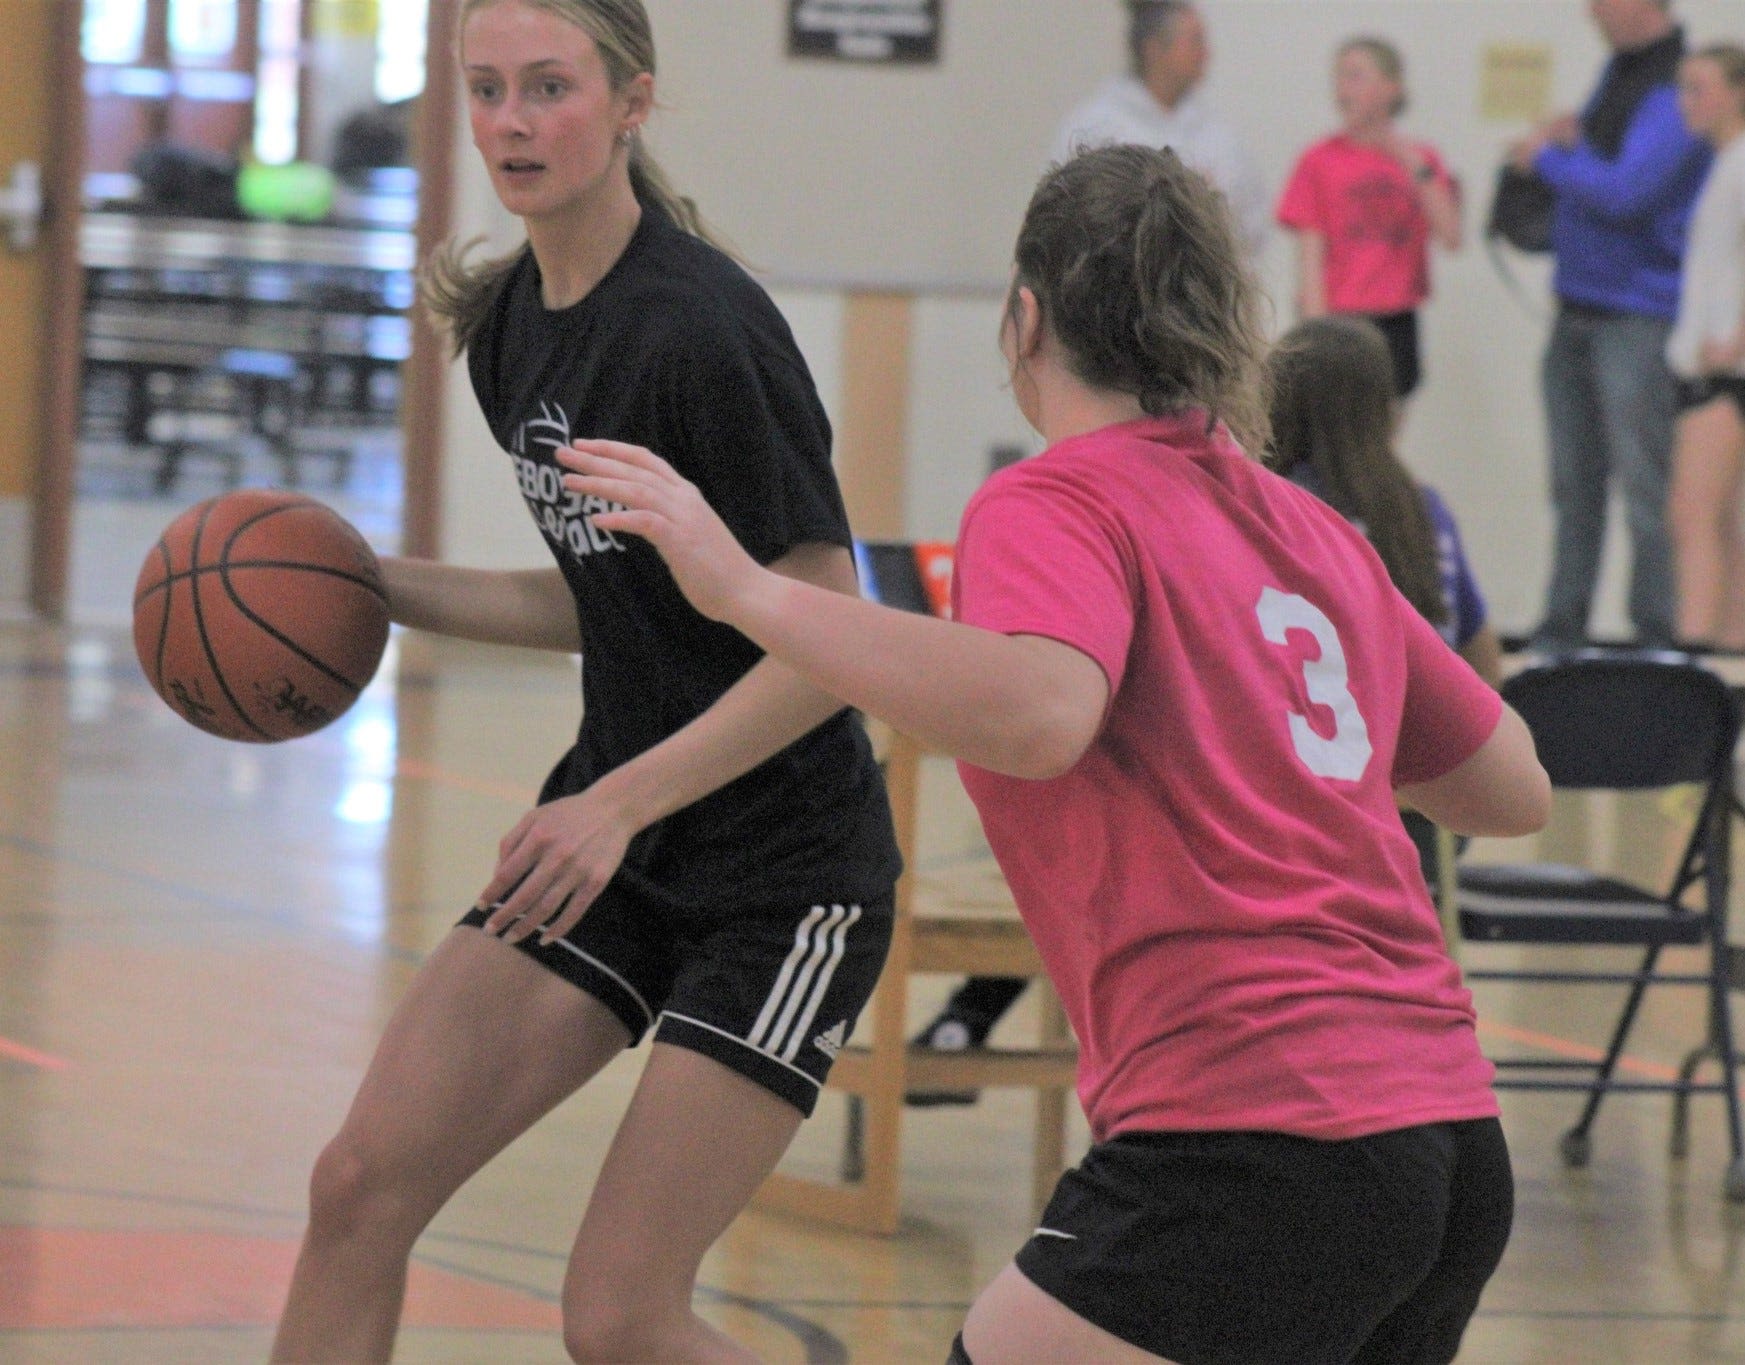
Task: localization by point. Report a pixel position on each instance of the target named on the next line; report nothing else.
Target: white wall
(830, 176)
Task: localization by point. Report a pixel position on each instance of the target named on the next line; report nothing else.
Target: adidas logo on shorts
(830, 1042)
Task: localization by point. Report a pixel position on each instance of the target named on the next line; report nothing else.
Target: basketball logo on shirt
(566, 518)
(1346, 752)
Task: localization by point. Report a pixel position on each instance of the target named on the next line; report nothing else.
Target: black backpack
(1521, 210)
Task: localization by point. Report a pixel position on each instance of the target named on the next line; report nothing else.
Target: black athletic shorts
(1694, 393)
(770, 993)
(1265, 1249)
(1400, 331)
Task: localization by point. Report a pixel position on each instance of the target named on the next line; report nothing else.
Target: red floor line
(1563, 1047)
(18, 1052)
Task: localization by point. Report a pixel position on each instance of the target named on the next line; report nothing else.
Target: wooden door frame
(62, 324)
(423, 394)
(425, 372)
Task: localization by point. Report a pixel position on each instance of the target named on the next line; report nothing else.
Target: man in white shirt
(1157, 105)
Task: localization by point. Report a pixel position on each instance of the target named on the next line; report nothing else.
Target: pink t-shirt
(1221, 888)
(1364, 203)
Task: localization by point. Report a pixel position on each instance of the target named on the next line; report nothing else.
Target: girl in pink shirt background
(1364, 205)
(1185, 696)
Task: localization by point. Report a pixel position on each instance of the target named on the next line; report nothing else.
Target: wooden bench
(273, 327)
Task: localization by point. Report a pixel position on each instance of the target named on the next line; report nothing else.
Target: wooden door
(39, 290)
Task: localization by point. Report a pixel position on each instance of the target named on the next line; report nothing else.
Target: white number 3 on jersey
(1346, 754)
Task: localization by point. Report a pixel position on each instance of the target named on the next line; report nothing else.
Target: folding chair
(1624, 721)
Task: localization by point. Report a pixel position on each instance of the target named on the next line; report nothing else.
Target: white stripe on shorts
(799, 986)
(838, 935)
(802, 942)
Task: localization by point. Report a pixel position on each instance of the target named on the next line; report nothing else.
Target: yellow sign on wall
(1515, 82)
(346, 18)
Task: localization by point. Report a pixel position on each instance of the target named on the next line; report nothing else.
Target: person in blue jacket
(1626, 172)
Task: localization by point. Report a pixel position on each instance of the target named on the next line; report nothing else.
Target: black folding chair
(1615, 720)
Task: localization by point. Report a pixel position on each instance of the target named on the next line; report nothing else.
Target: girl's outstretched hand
(648, 498)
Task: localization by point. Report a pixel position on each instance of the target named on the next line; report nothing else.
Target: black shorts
(1695, 393)
(1253, 1248)
(1400, 331)
(770, 993)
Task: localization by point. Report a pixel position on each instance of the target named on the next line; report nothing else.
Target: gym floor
(200, 941)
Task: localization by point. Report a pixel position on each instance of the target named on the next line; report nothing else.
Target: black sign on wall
(865, 30)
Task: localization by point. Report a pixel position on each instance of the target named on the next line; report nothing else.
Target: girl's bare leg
(485, 1043)
(696, 1142)
(1703, 513)
(1012, 1322)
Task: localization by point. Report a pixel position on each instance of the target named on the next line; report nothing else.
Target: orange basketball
(260, 615)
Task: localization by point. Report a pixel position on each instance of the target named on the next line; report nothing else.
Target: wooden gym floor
(199, 943)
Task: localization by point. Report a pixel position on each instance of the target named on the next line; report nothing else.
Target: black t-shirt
(679, 350)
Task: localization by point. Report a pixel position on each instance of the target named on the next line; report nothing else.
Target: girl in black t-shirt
(713, 859)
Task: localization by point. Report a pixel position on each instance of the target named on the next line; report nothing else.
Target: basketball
(260, 615)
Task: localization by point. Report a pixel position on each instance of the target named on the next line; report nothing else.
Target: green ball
(298, 191)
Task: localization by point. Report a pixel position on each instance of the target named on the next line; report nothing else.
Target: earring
(628, 136)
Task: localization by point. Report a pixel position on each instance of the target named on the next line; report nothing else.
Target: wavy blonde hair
(1134, 264)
